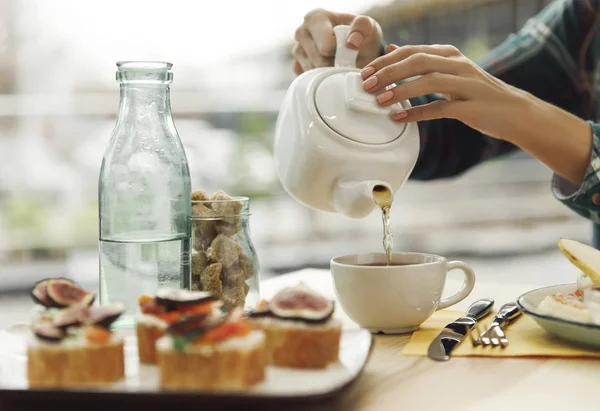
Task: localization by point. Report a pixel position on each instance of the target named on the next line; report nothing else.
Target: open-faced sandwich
(300, 329)
(211, 352)
(157, 313)
(71, 341)
(571, 306)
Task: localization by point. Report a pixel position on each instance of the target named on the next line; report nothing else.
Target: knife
(453, 334)
(505, 315)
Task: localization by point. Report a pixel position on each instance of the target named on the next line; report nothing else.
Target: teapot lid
(353, 113)
(349, 110)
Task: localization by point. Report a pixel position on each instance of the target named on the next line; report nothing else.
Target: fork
(494, 334)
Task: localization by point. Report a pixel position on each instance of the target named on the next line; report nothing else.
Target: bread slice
(298, 344)
(74, 363)
(236, 363)
(148, 333)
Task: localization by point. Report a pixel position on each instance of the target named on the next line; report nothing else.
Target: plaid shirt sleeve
(543, 58)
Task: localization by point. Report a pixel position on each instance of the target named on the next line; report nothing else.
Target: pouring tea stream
(336, 149)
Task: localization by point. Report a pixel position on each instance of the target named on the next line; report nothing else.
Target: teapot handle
(344, 56)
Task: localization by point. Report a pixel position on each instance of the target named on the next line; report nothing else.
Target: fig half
(71, 316)
(191, 325)
(64, 293)
(47, 331)
(263, 311)
(173, 298)
(39, 293)
(301, 303)
(105, 315)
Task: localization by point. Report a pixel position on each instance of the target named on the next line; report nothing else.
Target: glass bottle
(143, 193)
(224, 260)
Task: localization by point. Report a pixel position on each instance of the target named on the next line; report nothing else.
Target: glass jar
(143, 191)
(224, 260)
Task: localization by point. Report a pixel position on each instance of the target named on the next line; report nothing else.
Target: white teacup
(395, 299)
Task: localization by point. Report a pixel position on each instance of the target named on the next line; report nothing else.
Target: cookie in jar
(224, 260)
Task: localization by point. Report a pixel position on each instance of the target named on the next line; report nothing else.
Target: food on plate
(75, 345)
(211, 352)
(168, 306)
(300, 329)
(583, 256)
(219, 263)
(571, 306)
(565, 305)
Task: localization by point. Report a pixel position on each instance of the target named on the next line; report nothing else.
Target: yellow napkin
(526, 339)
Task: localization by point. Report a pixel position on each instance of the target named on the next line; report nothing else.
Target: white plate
(141, 382)
(580, 333)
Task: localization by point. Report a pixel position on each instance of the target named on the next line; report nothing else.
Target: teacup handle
(466, 288)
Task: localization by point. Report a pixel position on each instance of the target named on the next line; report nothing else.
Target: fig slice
(194, 324)
(105, 315)
(71, 316)
(301, 303)
(261, 311)
(65, 293)
(47, 331)
(173, 298)
(39, 293)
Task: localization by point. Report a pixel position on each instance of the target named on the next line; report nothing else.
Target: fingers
(315, 41)
(418, 64)
(431, 111)
(396, 54)
(301, 59)
(362, 31)
(310, 50)
(390, 48)
(319, 25)
(298, 68)
(446, 84)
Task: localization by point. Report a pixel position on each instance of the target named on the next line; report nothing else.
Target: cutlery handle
(507, 313)
(480, 308)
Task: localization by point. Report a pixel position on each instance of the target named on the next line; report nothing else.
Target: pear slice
(583, 256)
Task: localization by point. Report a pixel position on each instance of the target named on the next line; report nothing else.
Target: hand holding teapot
(335, 146)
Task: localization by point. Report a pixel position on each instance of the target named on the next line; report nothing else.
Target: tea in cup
(395, 298)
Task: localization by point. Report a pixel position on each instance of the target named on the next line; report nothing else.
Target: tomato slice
(170, 317)
(144, 299)
(97, 335)
(227, 330)
(151, 308)
(201, 308)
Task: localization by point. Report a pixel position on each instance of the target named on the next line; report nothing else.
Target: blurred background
(232, 65)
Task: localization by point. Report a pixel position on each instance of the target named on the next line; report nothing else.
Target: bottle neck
(144, 103)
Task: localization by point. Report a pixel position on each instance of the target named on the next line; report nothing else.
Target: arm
(545, 66)
(534, 75)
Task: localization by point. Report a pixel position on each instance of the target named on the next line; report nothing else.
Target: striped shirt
(554, 57)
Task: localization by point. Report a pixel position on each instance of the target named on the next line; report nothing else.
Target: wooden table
(392, 381)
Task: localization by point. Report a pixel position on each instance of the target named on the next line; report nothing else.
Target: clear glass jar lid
(144, 72)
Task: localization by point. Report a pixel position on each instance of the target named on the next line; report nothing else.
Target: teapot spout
(357, 199)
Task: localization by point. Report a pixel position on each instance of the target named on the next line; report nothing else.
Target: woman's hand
(557, 138)
(473, 96)
(315, 41)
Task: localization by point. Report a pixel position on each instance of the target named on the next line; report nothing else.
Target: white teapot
(334, 145)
